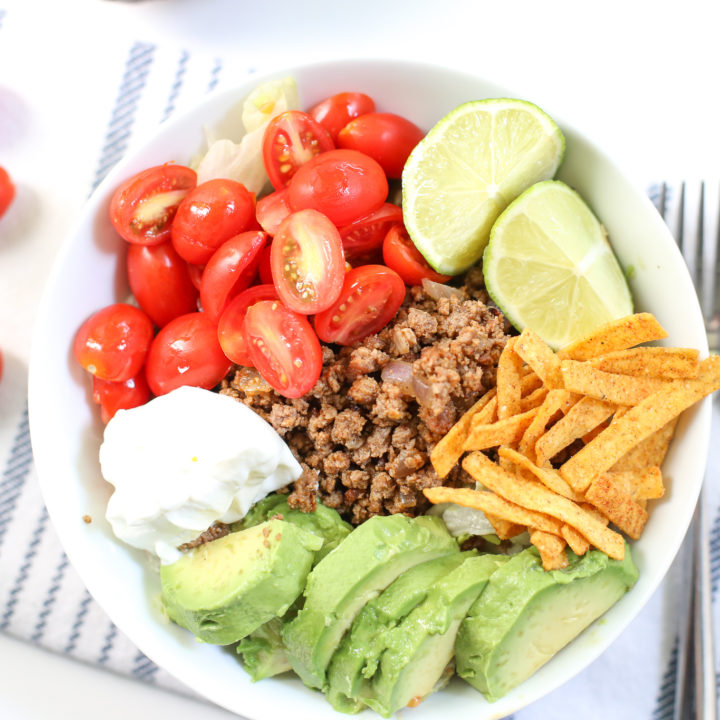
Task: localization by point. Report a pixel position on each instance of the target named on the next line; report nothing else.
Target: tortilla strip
(622, 510)
(642, 484)
(556, 400)
(619, 389)
(547, 476)
(508, 381)
(651, 451)
(617, 335)
(540, 357)
(551, 548)
(662, 362)
(534, 399)
(578, 544)
(503, 432)
(638, 423)
(535, 496)
(504, 529)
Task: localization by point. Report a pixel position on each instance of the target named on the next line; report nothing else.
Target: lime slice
(549, 266)
(466, 171)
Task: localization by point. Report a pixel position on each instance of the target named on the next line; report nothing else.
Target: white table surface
(638, 78)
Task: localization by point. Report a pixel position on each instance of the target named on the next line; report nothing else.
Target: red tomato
(291, 139)
(283, 347)
(114, 396)
(143, 207)
(272, 210)
(400, 254)
(160, 281)
(186, 352)
(113, 342)
(307, 262)
(367, 234)
(264, 268)
(370, 297)
(230, 326)
(385, 137)
(229, 271)
(195, 272)
(7, 191)
(343, 184)
(212, 213)
(335, 112)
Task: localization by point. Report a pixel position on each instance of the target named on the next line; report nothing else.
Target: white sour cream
(185, 460)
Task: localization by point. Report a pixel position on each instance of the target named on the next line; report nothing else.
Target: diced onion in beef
(439, 290)
(399, 371)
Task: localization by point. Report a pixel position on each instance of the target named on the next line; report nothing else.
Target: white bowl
(66, 432)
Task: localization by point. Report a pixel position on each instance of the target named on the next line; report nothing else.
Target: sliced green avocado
(525, 615)
(263, 651)
(343, 582)
(324, 521)
(419, 648)
(225, 589)
(359, 652)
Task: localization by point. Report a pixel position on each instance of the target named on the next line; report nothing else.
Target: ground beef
(363, 440)
(214, 532)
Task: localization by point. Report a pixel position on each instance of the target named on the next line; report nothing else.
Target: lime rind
(467, 169)
(549, 266)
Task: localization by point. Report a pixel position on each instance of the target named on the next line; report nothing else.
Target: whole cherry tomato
(212, 213)
(229, 271)
(143, 207)
(386, 137)
(370, 297)
(283, 347)
(7, 191)
(343, 184)
(307, 262)
(366, 234)
(195, 272)
(400, 254)
(291, 139)
(114, 396)
(113, 342)
(271, 210)
(335, 112)
(160, 281)
(186, 352)
(231, 333)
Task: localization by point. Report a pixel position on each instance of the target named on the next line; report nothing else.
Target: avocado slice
(359, 652)
(343, 582)
(418, 649)
(225, 589)
(525, 615)
(263, 651)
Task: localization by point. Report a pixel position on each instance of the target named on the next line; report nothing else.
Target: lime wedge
(549, 266)
(467, 169)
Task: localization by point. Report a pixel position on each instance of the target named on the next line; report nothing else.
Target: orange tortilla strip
(638, 423)
(551, 548)
(534, 399)
(578, 544)
(617, 335)
(547, 476)
(617, 505)
(535, 496)
(555, 401)
(642, 484)
(651, 451)
(509, 381)
(503, 432)
(504, 529)
(540, 357)
(662, 362)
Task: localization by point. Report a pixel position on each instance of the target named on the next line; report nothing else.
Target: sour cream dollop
(185, 460)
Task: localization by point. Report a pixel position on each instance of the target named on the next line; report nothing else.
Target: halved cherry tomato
(143, 207)
(114, 396)
(209, 215)
(335, 112)
(386, 137)
(230, 326)
(400, 254)
(229, 271)
(160, 281)
(7, 191)
(370, 297)
(264, 267)
(113, 342)
(367, 234)
(343, 184)
(291, 139)
(283, 347)
(307, 262)
(271, 210)
(186, 352)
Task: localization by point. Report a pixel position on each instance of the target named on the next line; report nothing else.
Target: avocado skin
(225, 589)
(359, 652)
(340, 585)
(419, 648)
(506, 612)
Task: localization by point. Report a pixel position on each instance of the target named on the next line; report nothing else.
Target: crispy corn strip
(503, 432)
(504, 529)
(642, 484)
(540, 357)
(651, 451)
(508, 382)
(555, 401)
(622, 510)
(551, 548)
(579, 420)
(549, 477)
(534, 399)
(638, 423)
(489, 502)
(535, 496)
(530, 382)
(661, 362)
(617, 335)
(583, 378)
(578, 544)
